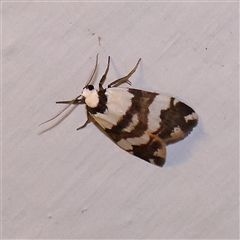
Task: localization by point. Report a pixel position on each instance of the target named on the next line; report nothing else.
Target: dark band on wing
(174, 117)
(139, 105)
(154, 151)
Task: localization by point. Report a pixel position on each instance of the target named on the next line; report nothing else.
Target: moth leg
(104, 75)
(124, 79)
(85, 124)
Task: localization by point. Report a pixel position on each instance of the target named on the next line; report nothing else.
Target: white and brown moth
(140, 122)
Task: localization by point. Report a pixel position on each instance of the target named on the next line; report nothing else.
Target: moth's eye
(90, 87)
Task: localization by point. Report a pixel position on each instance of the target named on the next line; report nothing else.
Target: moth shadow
(181, 151)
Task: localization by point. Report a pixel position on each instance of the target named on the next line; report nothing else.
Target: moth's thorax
(91, 97)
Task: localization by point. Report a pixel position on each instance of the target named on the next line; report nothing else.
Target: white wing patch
(129, 142)
(161, 102)
(106, 120)
(117, 104)
(132, 125)
(118, 101)
(191, 117)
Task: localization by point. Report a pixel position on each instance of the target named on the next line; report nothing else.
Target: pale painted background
(61, 183)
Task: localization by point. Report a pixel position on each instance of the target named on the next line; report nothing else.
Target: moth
(140, 122)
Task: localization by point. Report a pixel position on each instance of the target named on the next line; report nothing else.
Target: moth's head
(90, 96)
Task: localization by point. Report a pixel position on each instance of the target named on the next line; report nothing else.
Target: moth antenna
(49, 120)
(64, 109)
(93, 72)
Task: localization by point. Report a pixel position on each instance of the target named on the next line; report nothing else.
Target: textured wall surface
(61, 183)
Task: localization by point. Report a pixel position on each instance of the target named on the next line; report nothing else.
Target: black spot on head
(90, 87)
